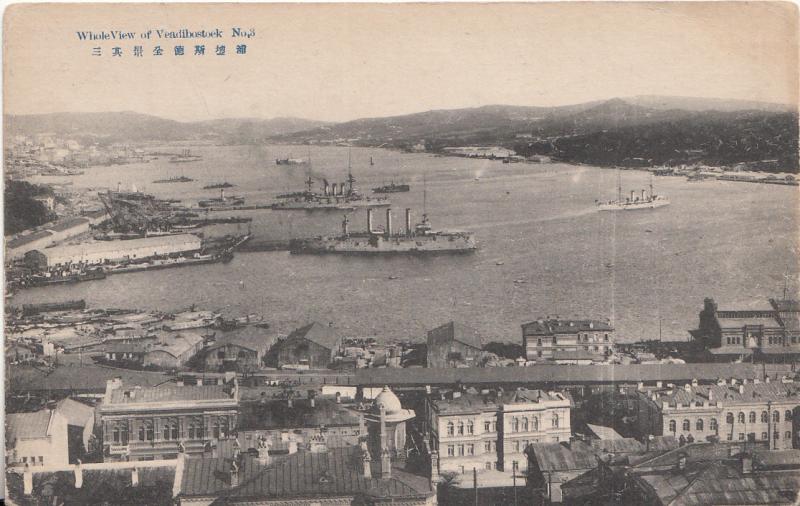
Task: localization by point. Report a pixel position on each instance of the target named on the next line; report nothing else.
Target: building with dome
(386, 425)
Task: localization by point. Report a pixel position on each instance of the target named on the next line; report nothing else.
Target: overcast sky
(334, 62)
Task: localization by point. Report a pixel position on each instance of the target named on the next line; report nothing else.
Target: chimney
(710, 395)
(369, 221)
(682, 462)
(199, 382)
(747, 463)
(27, 480)
(694, 382)
(134, 477)
(648, 440)
(408, 221)
(687, 387)
(733, 382)
(659, 384)
(289, 402)
(112, 385)
(179, 383)
(766, 379)
(234, 474)
(741, 389)
(292, 446)
(386, 464)
(263, 451)
(388, 222)
(640, 386)
(311, 400)
(338, 398)
(78, 474)
(365, 464)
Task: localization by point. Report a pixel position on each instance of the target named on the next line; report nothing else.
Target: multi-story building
(548, 339)
(491, 430)
(728, 411)
(769, 332)
(155, 423)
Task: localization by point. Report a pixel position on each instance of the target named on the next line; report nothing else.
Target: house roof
(179, 344)
(604, 432)
(621, 445)
(558, 326)
(473, 403)
(274, 414)
(578, 355)
(318, 333)
(331, 473)
(454, 331)
(559, 457)
(730, 394)
(76, 413)
(257, 341)
(169, 394)
(87, 377)
(28, 425)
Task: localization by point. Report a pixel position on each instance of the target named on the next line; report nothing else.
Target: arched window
(787, 415)
(672, 426)
(788, 435)
(729, 418)
(525, 424)
(146, 431)
(535, 423)
(764, 417)
(450, 429)
(195, 428)
(515, 425)
(698, 425)
(215, 429)
(752, 417)
(460, 428)
(776, 417)
(555, 420)
(712, 425)
(687, 426)
(470, 427)
(171, 429)
(740, 417)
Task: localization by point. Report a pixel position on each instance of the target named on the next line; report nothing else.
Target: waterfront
(559, 255)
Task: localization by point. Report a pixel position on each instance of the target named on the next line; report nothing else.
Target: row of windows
(453, 450)
(219, 428)
(729, 418)
(32, 461)
(752, 436)
(585, 339)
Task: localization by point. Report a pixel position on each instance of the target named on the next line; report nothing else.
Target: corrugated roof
(76, 413)
(317, 333)
(274, 414)
(730, 394)
(604, 432)
(474, 403)
(259, 342)
(86, 377)
(553, 373)
(574, 456)
(559, 326)
(179, 344)
(453, 331)
(169, 393)
(333, 473)
(27, 425)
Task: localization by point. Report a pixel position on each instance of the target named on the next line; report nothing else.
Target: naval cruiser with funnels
(421, 239)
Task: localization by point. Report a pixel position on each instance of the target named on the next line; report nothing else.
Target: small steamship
(343, 196)
(421, 239)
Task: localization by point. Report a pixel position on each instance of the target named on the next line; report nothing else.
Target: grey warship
(421, 239)
(335, 197)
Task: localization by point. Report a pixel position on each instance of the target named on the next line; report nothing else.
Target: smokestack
(642, 193)
(333, 189)
(631, 195)
(78, 474)
(119, 187)
(134, 477)
(327, 188)
(341, 189)
(389, 222)
(222, 193)
(408, 221)
(369, 221)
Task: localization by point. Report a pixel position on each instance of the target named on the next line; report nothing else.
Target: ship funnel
(327, 188)
(642, 193)
(341, 188)
(631, 195)
(369, 220)
(119, 187)
(408, 221)
(389, 222)
(222, 193)
(333, 189)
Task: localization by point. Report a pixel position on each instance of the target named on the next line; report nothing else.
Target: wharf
(265, 245)
(252, 207)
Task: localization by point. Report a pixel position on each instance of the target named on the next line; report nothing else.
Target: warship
(421, 239)
(215, 186)
(222, 201)
(634, 202)
(336, 197)
(392, 188)
(177, 179)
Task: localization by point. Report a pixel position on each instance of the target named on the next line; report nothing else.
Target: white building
(490, 430)
(36, 439)
(111, 251)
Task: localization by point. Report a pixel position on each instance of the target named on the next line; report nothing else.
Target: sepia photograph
(328, 254)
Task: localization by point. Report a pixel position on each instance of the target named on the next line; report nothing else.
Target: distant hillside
(672, 130)
(135, 127)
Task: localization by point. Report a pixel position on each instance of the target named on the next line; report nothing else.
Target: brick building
(491, 430)
(452, 345)
(549, 339)
(153, 423)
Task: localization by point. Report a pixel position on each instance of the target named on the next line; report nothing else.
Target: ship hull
(460, 243)
(328, 206)
(632, 207)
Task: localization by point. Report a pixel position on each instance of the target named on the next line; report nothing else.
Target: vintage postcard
(401, 253)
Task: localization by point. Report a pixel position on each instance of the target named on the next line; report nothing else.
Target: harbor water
(544, 249)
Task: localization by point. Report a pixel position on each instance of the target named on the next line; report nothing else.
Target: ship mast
(619, 186)
(652, 195)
